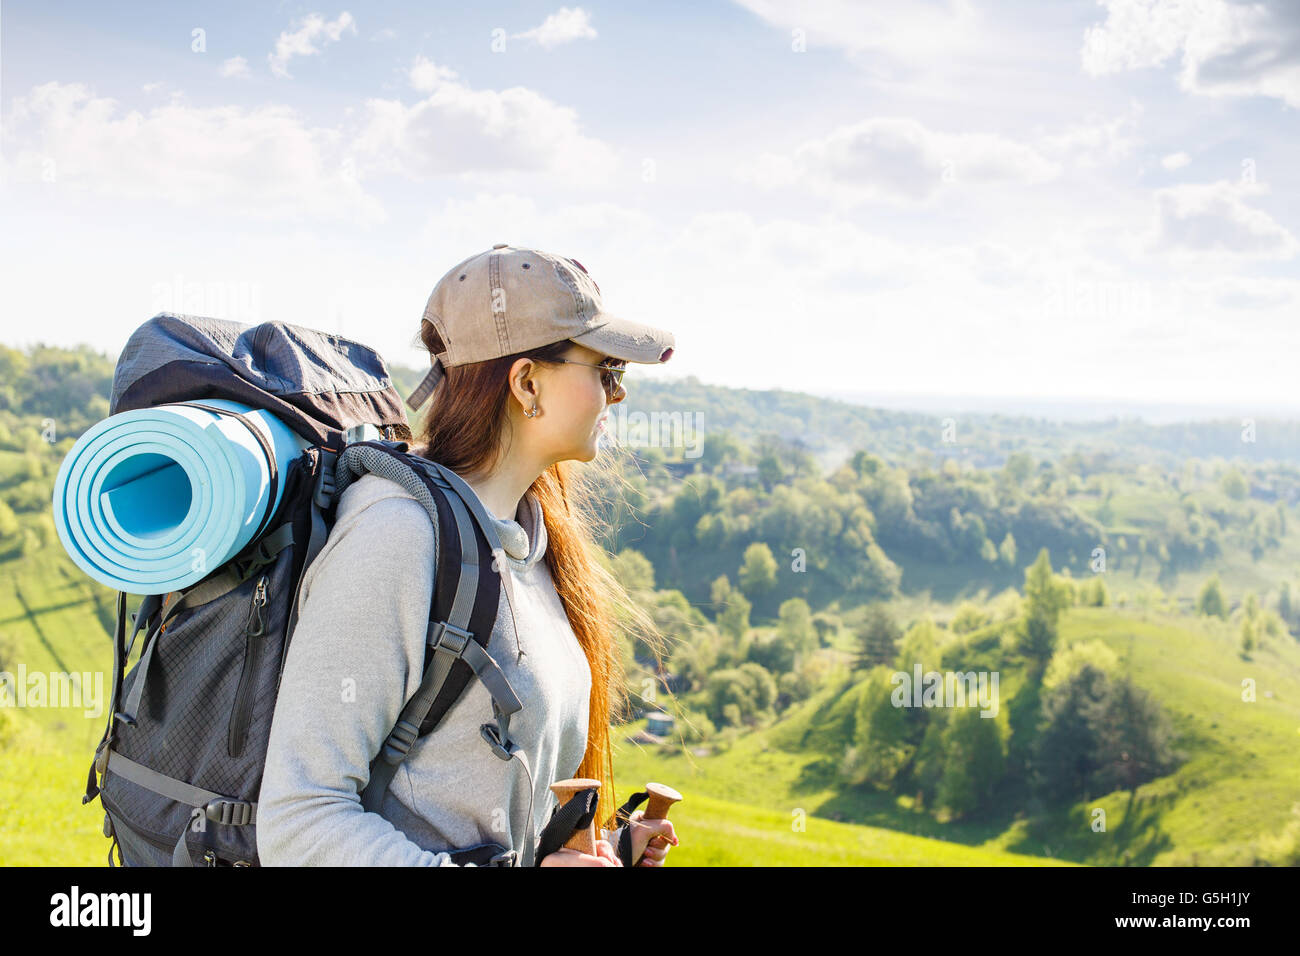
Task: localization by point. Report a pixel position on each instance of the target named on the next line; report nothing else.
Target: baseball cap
(511, 299)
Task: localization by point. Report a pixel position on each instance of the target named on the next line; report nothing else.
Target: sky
(1074, 200)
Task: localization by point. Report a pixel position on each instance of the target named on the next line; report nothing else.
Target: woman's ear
(522, 382)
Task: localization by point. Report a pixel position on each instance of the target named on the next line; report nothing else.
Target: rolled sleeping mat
(156, 499)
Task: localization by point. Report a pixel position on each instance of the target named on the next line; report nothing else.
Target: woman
(524, 363)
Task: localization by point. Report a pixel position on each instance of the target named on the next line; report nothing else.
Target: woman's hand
(651, 839)
(564, 856)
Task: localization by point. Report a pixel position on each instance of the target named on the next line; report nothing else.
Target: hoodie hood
(524, 539)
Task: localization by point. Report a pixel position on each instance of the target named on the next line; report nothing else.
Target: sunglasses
(611, 376)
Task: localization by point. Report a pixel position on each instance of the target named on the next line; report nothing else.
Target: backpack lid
(317, 383)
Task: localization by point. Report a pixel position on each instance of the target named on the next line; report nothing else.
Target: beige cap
(510, 299)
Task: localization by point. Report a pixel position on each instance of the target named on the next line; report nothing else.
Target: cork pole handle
(584, 838)
(662, 797)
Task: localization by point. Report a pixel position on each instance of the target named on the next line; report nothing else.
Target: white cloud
(1175, 161)
(1247, 292)
(426, 76)
(906, 31)
(1227, 49)
(457, 130)
(564, 26)
(263, 162)
(1212, 220)
(235, 66)
(899, 159)
(1094, 141)
(302, 42)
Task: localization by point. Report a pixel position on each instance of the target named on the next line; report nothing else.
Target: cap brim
(628, 340)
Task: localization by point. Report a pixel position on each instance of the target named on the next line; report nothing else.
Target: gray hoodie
(356, 657)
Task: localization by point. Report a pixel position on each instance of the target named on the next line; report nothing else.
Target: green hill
(1218, 808)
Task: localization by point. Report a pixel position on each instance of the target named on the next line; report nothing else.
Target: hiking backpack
(180, 763)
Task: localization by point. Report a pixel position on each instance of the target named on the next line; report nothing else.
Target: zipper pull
(259, 601)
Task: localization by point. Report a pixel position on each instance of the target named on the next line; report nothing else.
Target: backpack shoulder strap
(464, 608)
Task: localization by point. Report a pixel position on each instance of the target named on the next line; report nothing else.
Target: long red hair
(463, 430)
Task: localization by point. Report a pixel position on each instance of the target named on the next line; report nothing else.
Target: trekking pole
(584, 838)
(662, 797)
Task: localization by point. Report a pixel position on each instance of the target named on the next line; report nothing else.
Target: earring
(531, 414)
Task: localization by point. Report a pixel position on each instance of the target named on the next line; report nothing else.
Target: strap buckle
(445, 635)
(324, 493)
(101, 756)
(235, 813)
(400, 741)
(504, 858)
(490, 734)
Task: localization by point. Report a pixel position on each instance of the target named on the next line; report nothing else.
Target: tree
(1248, 635)
(773, 654)
(969, 617)
(973, 762)
(719, 591)
(748, 688)
(825, 625)
(795, 627)
(721, 448)
(13, 368)
(758, 570)
(1210, 602)
(770, 471)
(734, 619)
(1065, 753)
(1018, 468)
(878, 640)
(1095, 593)
(865, 463)
(1233, 484)
(1250, 605)
(1134, 739)
(1068, 660)
(1286, 606)
(920, 645)
(880, 736)
(1045, 598)
(1101, 735)
(633, 570)
(1007, 551)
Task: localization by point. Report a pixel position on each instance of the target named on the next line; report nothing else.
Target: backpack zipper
(254, 631)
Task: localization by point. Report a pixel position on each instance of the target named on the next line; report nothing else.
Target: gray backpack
(180, 763)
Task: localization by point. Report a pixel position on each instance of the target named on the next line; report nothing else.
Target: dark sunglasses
(611, 376)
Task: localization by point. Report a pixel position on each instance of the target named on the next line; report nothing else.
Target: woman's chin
(585, 453)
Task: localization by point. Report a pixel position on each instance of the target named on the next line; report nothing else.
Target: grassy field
(771, 798)
(54, 619)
